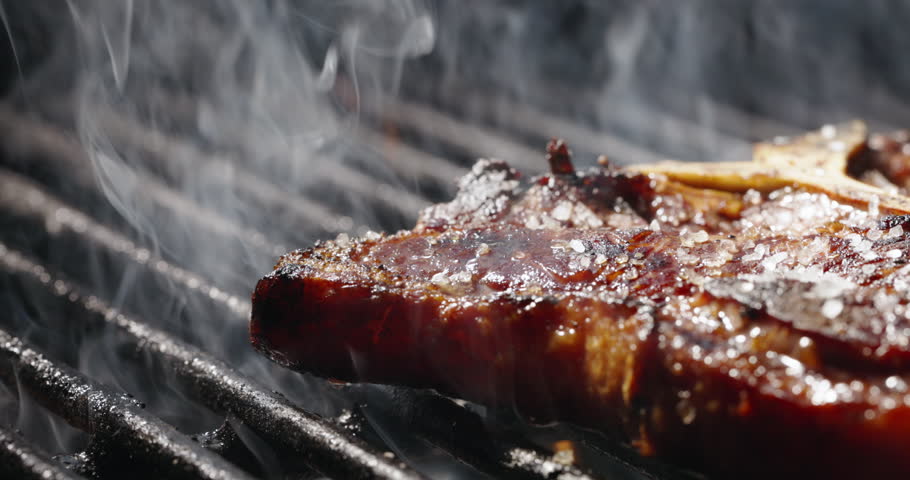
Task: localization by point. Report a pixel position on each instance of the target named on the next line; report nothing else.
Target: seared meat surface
(746, 322)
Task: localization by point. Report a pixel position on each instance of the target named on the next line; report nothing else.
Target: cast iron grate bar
(268, 187)
(169, 151)
(20, 196)
(19, 459)
(328, 448)
(42, 146)
(117, 420)
(486, 142)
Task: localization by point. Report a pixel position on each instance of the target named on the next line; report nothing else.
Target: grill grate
(53, 214)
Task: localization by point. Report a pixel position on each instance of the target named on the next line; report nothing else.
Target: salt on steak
(745, 319)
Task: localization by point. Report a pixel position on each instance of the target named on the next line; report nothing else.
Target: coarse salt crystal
(483, 249)
(752, 197)
(440, 278)
(853, 238)
(884, 302)
(895, 253)
(863, 245)
(562, 212)
(832, 308)
(655, 225)
(577, 245)
(700, 237)
(757, 254)
(771, 262)
(874, 203)
(343, 240)
(600, 259)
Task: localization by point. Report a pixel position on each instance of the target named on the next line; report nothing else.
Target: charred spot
(288, 270)
(560, 157)
(609, 250)
(658, 261)
(752, 313)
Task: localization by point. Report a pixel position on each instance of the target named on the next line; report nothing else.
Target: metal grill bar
(269, 189)
(405, 161)
(410, 162)
(43, 144)
(115, 418)
(328, 449)
(528, 121)
(477, 141)
(442, 422)
(20, 196)
(169, 151)
(20, 460)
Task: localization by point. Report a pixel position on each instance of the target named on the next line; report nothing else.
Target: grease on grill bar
(116, 420)
(19, 459)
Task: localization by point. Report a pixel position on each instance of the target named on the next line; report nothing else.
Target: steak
(744, 319)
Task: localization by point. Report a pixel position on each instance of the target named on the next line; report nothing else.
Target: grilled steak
(746, 319)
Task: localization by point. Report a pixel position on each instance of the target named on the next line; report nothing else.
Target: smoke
(213, 135)
(208, 133)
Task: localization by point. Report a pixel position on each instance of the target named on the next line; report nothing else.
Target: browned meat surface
(745, 332)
